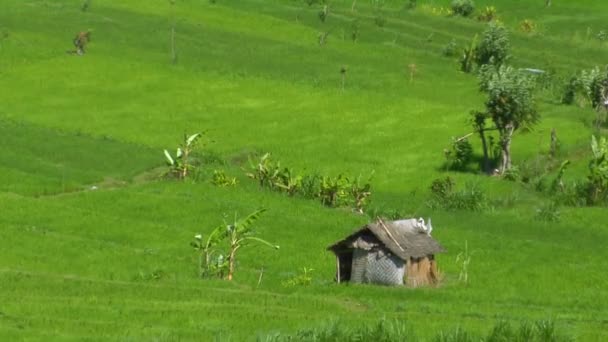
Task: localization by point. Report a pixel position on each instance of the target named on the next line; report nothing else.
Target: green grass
(96, 246)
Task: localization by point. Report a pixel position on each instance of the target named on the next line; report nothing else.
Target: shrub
(444, 196)
(494, 45)
(302, 279)
(488, 14)
(548, 212)
(597, 190)
(469, 56)
(182, 163)
(449, 50)
(360, 193)
(463, 8)
(527, 26)
(220, 179)
(333, 191)
(460, 154)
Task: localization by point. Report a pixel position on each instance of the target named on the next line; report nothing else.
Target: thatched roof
(400, 237)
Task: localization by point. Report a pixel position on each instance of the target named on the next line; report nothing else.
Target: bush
(460, 155)
(548, 212)
(527, 26)
(443, 196)
(488, 14)
(463, 8)
(449, 50)
(494, 45)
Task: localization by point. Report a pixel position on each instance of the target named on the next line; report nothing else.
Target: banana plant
(265, 171)
(360, 192)
(288, 181)
(211, 260)
(239, 234)
(181, 164)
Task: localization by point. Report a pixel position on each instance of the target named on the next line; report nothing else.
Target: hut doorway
(345, 263)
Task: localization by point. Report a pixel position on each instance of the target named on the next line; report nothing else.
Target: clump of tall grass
(444, 195)
(395, 330)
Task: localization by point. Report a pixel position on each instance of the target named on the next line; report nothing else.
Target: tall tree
(510, 105)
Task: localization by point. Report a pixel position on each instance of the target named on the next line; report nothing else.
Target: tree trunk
(231, 264)
(484, 145)
(505, 145)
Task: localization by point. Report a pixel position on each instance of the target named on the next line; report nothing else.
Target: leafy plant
(510, 105)
(463, 259)
(602, 36)
(354, 27)
(411, 4)
(527, 26)
(469, 56)
(265, 171)
(548, 212)
(494, 46)
(360, 193)
(488, 14)
(302, 279)
(220, 179)
(212, 261)
(182, 163)
(324, 13)
(463, 8)
(311, 185)
(598, 171)
(288, 181)
(333, 190)
(459, 155)
(449, 50)
(445, 196)
(237, 235)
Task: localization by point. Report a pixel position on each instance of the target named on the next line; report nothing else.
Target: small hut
(390, 253)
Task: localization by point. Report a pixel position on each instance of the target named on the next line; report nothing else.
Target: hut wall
(357, 274)
(377, 267)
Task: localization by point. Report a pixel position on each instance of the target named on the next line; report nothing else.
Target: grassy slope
(84, 264)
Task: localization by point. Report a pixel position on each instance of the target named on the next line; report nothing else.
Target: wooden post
(338, 268)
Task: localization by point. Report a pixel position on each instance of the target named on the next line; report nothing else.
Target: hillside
(95, 244)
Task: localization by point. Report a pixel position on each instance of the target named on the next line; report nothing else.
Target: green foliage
(449, 50)
(510, 104)
(469, 56)
(528, 26)
(411, 4)
(221, 179)
(494, 45)
(182, 163)
(396, 330)
(324, 13)
(265, 171)
(594, 85)
(488, 14)
(463, 259)
(302, 279)
(445, 196)
(463, 8)
(548, 212)
(336, 331)
(289, 182)
(360, 192)
(598, 172)
(333, 191)
(354, 30)
(459, 155)
(234, 236)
